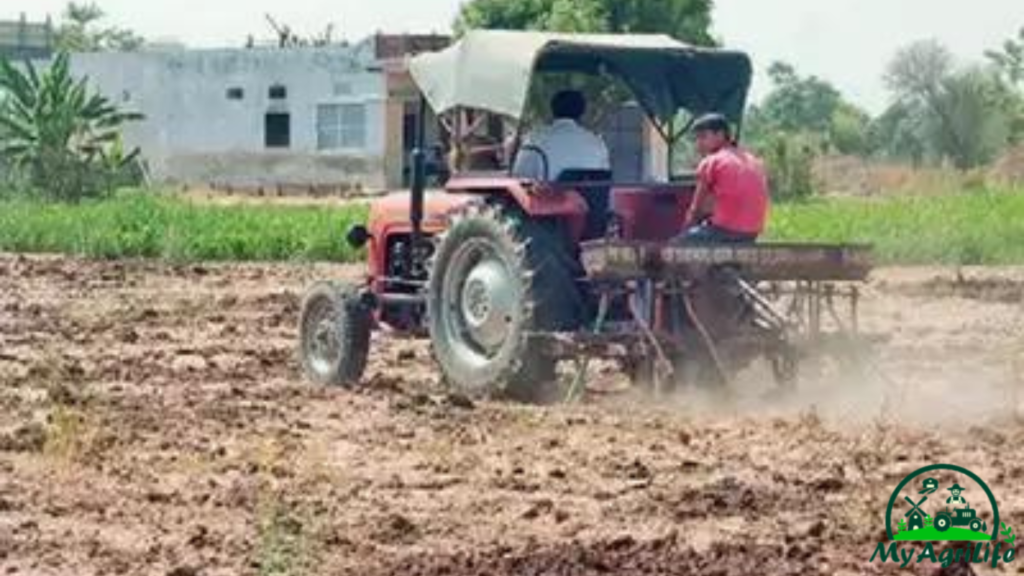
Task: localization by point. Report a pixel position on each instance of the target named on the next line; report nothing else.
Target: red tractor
(509, 276)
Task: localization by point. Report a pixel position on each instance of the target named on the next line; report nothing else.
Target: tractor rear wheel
(943, 522)
(334, 329)
(498, 277)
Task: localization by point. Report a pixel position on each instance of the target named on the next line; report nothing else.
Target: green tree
(687, 20)
(502, 14)
(79, 31)
(799, 104)
(1009, 59)
(918, 70)
(849, 130)
(811, 107)
(899, 134)
(965, 113)
(801, 118)
(57, 132)
(1009, 63)
(574, 16)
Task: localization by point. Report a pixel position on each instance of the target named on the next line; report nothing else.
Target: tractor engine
(399, 263)
(404, 274)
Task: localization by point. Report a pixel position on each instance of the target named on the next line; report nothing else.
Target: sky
(847, 42)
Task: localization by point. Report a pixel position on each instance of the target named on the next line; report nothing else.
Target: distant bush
(790, 162)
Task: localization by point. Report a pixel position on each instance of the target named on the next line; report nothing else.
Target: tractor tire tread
(550, 299)
(355, 328)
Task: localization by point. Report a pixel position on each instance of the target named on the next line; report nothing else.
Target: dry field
(152, 422)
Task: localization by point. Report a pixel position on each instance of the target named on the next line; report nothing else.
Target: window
(235, 93)
(341, 126)
(277, 92)
(277, 130)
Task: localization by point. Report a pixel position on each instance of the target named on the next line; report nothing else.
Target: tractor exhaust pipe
(418, 187)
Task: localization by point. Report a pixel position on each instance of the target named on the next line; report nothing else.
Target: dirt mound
(854, 176)
(1006, 287)
(1010, 167)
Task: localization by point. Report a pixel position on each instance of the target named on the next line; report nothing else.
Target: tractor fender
(536, 199)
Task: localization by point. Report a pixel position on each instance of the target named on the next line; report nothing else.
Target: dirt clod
(29, 437)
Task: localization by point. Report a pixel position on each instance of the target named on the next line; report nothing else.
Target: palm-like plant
(57, 131)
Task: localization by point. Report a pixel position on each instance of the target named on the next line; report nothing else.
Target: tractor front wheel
(975, 525)
(334, 329)
(498, 277)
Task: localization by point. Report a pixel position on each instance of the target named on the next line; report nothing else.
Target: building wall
(194, 132)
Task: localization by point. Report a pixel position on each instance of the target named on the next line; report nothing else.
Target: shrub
(790, 161)
(57, 136)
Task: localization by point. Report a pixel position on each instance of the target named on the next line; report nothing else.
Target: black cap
(711, 123)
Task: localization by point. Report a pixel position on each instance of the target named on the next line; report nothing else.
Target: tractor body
(508, 277)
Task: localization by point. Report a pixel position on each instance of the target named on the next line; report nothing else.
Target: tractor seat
(596, 188)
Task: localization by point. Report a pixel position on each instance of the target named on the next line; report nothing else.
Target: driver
(565, 143)
(731, 202)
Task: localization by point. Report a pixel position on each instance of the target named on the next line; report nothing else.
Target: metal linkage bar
(779, 322)
(576, 389)
(663, 369)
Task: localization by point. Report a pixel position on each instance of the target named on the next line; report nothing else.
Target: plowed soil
(153, 421)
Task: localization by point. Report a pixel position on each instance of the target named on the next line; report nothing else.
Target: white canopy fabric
(491, 70)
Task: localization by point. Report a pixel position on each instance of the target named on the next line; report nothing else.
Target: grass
(984, 227)
(282, 544)
(286, 536)
(969, 228)
(134, 224)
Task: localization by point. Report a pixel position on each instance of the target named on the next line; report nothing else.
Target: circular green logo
(957, 522)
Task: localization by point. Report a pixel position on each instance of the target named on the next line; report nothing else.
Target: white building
(323, 117)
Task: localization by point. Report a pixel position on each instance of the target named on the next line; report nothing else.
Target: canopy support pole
(417, 190)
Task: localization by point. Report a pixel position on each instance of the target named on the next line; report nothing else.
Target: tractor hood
(492, 70)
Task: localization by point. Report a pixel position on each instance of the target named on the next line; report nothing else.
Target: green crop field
(135, 224)
(979, 227)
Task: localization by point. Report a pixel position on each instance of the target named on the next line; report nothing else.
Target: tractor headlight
(357, 236)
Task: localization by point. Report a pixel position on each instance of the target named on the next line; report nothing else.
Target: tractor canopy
(492, 70)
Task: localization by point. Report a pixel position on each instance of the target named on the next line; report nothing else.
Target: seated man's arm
(701, 207)
(703, 204)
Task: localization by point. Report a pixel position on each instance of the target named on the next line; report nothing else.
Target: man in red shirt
(731, 203)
